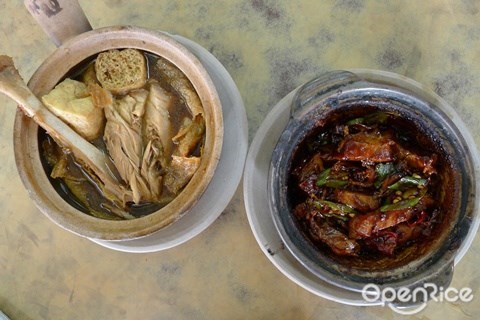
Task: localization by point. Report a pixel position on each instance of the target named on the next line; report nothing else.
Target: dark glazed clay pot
(336, 96)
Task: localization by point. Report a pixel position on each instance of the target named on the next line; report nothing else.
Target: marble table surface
(269, 47)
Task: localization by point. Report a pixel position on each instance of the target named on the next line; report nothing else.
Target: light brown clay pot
(75, 49)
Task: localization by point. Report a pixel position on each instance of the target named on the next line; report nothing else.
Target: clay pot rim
(53, 69)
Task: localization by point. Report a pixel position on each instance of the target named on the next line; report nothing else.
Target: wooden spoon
(12, 85)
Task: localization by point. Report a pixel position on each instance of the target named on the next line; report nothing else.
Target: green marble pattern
(269, 47)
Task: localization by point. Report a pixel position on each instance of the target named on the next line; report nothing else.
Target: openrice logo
(408, 301)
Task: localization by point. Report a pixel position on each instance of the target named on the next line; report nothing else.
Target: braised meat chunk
(362, 187)
(366, 146)
(335, 239)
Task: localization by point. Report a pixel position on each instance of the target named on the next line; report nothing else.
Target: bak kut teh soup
(145, 114)
(370, 188)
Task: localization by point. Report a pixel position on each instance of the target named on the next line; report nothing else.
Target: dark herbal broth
(80, 190)
(368, 188)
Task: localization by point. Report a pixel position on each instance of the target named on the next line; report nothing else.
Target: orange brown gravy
(370, 190)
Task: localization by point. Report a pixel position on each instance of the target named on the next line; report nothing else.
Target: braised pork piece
(365, 187)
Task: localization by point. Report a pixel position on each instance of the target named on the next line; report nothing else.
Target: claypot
(336, 96)
(79, 44)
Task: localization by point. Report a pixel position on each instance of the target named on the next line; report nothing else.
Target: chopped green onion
(324, 180)
(404, 204)
(382, 170)
(408, 181)
(322, 177)
(336, 208)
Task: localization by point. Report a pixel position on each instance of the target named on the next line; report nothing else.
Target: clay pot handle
(60, 19)
(314, 92)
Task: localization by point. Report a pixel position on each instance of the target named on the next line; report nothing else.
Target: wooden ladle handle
(60, 19)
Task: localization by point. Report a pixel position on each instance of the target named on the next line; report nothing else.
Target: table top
(269, 48)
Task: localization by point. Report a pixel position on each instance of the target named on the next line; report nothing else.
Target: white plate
(260, 218)
(258, 212)
(227, 175)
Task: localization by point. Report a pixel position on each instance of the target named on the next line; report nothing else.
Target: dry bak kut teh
(145, 114)
(367, 187)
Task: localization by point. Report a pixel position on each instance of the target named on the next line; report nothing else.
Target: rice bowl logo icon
(409, 301)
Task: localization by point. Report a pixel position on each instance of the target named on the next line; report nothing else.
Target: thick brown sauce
(335, 183)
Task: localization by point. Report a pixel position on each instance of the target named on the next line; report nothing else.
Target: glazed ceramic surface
(341, 94)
